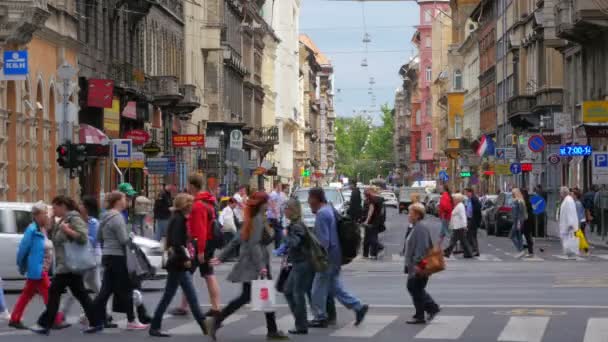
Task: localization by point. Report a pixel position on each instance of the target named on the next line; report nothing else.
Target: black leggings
(59, 283)
(527, 231)
(240, 301)
(115, 282)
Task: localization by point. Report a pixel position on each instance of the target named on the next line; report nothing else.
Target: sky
(337, 28)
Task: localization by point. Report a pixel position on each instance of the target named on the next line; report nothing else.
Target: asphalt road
(495, 297)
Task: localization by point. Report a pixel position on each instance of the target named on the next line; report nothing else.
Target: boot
(142, 314)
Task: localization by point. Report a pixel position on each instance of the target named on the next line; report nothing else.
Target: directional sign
(121, 148)
(161, 166)
(515, 168)
(538, 204)
(536, 143)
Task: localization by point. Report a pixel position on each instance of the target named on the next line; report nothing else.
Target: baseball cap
(127, 189)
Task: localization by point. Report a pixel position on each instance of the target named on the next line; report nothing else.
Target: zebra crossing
(512, 257)
(444, 328)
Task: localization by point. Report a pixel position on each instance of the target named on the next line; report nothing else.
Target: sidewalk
(593, 239)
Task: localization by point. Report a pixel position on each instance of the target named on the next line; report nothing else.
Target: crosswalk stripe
(446, 328)
(564, 257)
(597, 330)
(488, 257)
(372, 325)
(192, 328)
(524, 329)
(534, 258)
(601, 256)
(285, 321)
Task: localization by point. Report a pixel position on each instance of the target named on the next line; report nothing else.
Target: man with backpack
(374, 223)
(329, 282)
(202, 230)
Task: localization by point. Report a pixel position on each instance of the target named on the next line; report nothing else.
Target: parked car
(500, 219)
(333, 195)
(390, 200)
(487, 203)
(14, 219)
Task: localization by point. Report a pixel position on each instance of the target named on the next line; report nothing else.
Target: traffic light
(78, 155)
(63, 155)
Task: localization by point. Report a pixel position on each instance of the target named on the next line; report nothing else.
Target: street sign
(443, 162)
(443, 176)
(515, 168)
(151, 149)
(536, 143)
(538, 204)
(465, 174)
(575, 150)
(554, 159)
(121, 148)
(505, 153)
(15, 66)
(526, 167)
(599, 168)
(502, 169)
(161, 166)
(236, 139)
(135, 162)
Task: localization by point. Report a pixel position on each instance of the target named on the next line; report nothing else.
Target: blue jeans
(329, 283)
(517, 238)
(295, 292)
(2, 302)
(174, 280)
(161, 229)
(278, 231)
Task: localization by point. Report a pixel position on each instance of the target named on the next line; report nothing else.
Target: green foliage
(364, 149)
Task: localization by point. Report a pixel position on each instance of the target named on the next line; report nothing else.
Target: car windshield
(332, 195)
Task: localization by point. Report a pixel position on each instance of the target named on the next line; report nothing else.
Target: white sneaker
(137, 325)
(520, 254)
(5, 316)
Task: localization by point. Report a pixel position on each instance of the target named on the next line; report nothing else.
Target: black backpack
(349, 234)
(218, 238)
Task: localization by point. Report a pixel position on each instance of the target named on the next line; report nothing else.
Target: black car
(499, 219)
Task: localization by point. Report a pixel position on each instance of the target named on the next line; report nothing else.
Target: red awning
(91, 135)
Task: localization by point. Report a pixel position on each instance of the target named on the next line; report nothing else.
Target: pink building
(426, 145)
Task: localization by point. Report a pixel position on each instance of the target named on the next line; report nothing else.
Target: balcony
(165, 90)
(549, 97)
(20, 19)
(184, 108)
(521, 105)
(579, 20)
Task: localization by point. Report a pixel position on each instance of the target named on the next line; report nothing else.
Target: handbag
(434, 261)
(138, 265)
(283, 275)
(317, 253)
(582, 241)
(179, 259)
(571, 244)
(267, 234)
(78, 258)
(263, 295)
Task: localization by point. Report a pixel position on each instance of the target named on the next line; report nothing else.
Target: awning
(88, 134)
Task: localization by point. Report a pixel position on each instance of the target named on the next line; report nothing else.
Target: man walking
(473, 208)
(274, 214)
(568, 220)
(354, 208)
(329, 283)
(162, 213)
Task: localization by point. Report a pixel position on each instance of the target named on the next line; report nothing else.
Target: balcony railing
(550, 97)
(521, 105)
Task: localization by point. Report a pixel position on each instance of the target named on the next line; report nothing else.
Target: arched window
(457, 79)
(457, 126)
(429, 141)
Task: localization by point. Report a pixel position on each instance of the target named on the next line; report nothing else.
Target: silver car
(333, 195)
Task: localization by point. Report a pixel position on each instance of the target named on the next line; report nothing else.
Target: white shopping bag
(571, 244)
(263, 295)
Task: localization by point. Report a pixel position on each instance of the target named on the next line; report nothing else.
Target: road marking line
(372, 325)
(285, 322)
(192, 328)
(446, 328)
(564, 257)
(601, 256)
(397, 257)
(488, 257)
(597, 330)
(535, 258)
(465, 306)
(524, 329)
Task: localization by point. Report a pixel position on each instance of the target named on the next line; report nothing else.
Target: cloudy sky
(337, 27)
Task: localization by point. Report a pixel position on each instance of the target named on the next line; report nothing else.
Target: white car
(16, 217)
(390, 200)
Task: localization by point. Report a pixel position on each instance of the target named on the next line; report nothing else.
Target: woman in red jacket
(446, 205)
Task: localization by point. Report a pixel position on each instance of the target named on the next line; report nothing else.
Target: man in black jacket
(162, 212)
(473, 219)
(354, 209)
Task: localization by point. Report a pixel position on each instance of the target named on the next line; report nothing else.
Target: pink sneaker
(137, 325)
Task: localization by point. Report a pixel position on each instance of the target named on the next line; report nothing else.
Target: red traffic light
(62, 150)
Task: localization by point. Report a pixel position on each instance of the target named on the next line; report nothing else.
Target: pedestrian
(588, 202)
(34, 259)
(528, 224)
(228, 221)
(373, 223)
(567, 219)
(416, 247)
(178, 266)
(127, 189)
(69, 228)
(329, 283)
(580, 209)
(162, 213)
(519, 215)
(141, 210)
(458, 225)
(274, 214)
(89, 209)
(5, 315)
(354, 207)
(446, 206)
(473, 219)
(253, 262)
(300, 276)
(114, 237)
(241, 200)
(200, 228)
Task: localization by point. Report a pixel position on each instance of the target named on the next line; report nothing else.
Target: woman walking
(34, 259)
(253, 263)
(178, 264)
(528, 224)
(458, 225)
(114, 237)
(372, 223)
(70, 228)
(520, 215)
(446, 205)
(300, 276)
(417, 244)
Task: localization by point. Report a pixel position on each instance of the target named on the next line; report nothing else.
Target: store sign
(575, 150)
(111, 119)
(526, 167)
(189, 140)
(15, 66)
(99, 93)
(236, 139)
(161, 166)
(138, 136)
(595, 111)
(465, 174)
(151, 149)
(135, 162)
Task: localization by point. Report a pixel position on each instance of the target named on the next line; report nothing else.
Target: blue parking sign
(15, 63)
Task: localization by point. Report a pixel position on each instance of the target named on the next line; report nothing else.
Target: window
(427, 16)
(418, 118)
(427, 42)
(457, 79)
(429, 141)
(429, 74)
(457, 126)
(429, 108)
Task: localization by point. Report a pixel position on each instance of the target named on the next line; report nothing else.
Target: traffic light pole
(65, 73)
